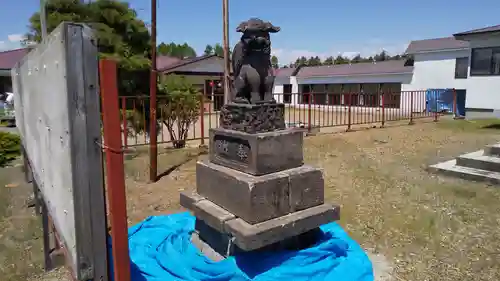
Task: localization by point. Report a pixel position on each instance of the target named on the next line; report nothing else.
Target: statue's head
(256, 34)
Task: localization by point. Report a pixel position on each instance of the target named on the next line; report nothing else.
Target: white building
(334, 86)
(483, 81)
(441, 63)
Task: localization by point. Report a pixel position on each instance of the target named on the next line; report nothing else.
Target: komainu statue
(253, 76)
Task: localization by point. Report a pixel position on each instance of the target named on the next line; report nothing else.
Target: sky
(308, 28)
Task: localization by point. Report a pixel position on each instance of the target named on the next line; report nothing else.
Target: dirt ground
(429, 227)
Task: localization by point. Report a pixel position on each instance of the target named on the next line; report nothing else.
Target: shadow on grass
(477, 125)
(174, 167)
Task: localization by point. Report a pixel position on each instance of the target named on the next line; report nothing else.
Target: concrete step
(493, 150)
(450, 168)
(479, 160)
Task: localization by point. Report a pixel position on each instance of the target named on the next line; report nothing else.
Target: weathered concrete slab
(493, 150)
(216, 226)
(450, 168)
(257, 154)
(250, 237)
(211, 214)
(479, 160)
(259, 198)
(188, 199)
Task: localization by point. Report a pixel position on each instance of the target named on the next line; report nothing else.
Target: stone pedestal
(255, 192)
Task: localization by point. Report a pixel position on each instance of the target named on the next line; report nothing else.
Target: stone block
(250, 237)
(188, 199)
(306, 188)
(252, 198)
(211, 214)
(253, 118)
(259, 198)
(219, 242)
(257, 154)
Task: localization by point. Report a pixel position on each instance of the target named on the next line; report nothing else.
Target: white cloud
(368, 48)
(15, 37)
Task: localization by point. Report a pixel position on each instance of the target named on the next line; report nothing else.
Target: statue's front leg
(239, 89)
(253, 79)
(269, 84)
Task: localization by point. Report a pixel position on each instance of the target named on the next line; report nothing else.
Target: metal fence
(308, 110)
(57, 115)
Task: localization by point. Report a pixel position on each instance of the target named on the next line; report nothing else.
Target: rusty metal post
(202, 120)
(383, 109)
(124, 121)
(225, 31)
(115, 174)
(349, 110)
(309, 126)
(411, 108)
(153, 141)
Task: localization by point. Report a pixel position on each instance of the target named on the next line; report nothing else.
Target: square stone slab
(250, 237)
(259, 198)
(257, 154)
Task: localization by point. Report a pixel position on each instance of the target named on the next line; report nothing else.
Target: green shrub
(180, 109)
(10, 148)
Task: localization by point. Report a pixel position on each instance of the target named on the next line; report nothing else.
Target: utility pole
(43, 20)
(153, 147)
(225, 29)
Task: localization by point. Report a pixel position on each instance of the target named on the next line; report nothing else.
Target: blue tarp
(441, 100)
(160, 250)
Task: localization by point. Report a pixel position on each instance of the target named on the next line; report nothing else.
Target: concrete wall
(58, 118)
(436, 70)
(483, 92)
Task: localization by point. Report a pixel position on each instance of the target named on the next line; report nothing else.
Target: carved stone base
(257, 154)
(253, 118)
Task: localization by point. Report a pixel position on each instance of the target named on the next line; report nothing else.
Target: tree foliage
(316, 61)
(216, 49)
(208, 50)
(120, 34)
(274, 62)
(181, 51)
(181, 107)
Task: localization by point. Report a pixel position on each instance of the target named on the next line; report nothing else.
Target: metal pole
(43, 19)
(225, 28)
(115, 174)
(153, 148)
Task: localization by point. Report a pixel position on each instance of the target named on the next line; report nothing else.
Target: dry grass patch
(430, 227)
(21, 252)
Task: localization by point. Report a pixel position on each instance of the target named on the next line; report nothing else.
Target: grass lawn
(21, 253)
(429, 227)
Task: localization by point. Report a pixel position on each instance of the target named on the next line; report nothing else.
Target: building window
(306, 90)
(287, 93)
(461, 66)
(485, 61)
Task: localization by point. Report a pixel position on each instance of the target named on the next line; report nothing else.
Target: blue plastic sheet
(160, 249)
